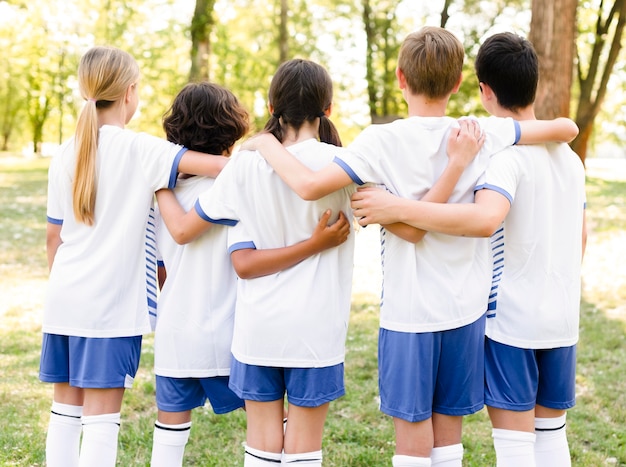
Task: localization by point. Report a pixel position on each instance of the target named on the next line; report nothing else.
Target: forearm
(252, 263)
(53, 242)
(545, 131)
(183, 226)
(439, 193)
(468, 219)
(198, 163)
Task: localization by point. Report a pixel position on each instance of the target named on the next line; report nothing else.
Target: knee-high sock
(552, 448)
(63, 438)
(168, 444)
(447, 456)
(99, 445)
(257, 458)
(514, 448)
(410, 461)
(312, 459)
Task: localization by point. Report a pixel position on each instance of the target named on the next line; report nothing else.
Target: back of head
(509, 65)
(432, 61)
(104, 76)
(301, 91)
(206, 117)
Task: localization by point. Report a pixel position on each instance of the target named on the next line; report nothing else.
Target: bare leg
(265, 425)
(414, 439)
(305, 428)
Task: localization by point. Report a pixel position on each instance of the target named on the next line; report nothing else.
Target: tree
(201, 25)
(552, 32)
(383, 44)
(594, 79)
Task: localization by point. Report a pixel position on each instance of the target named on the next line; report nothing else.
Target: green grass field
(357, 434)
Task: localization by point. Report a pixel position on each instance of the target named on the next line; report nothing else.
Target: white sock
(447, 456)
(551, 448)
(63, 438)
(410, 461)
(303, 458)
(514, 448)
(258, 458)
(168, 444)
(99, 446)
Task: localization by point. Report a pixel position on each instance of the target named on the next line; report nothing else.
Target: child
(197, 303)
(101, 186)
(290, 324)
(434, 291)
(532, 319)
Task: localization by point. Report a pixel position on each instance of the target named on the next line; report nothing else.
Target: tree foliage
(239, 44)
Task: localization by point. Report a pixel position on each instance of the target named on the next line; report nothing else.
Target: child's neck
(422, 106)
(307, 131)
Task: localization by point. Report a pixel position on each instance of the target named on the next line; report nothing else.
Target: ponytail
(104, 76)
(86, 145)
(328, 132)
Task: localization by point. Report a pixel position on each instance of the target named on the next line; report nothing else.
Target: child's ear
(401, 78)
(456, 87)
(486, 91)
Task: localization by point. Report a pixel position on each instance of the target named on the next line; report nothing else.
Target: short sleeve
(159, 160)
(219, 204)
(500, 133)
(239, 239)
(502, 175)
(59, 186)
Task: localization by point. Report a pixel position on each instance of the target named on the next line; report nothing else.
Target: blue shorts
(305, 387)
(182, 394)
(422, 373)
(89, 362)
(518, 379)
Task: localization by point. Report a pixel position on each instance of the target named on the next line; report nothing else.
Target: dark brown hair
(301, 91)
(206, 117)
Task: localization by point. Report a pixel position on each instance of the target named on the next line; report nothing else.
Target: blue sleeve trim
(160, 263)
(174, 171)
(202, 214)
(518, 132)
(54, 221)
(355, 178)
(497, 189)
(241, 246)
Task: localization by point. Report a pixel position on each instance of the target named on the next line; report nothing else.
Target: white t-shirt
(298, 317)
(442, 282)
(97, 285)
(196, 307)
(536, 298)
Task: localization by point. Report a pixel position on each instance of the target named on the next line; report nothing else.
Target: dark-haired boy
(533, 198)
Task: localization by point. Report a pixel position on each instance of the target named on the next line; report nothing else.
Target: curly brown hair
(206, 117)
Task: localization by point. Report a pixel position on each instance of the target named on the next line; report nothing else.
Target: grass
(357, 434)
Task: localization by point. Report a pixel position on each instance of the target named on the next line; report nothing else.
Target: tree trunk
(609, 33)
(283, 38)
(553, 33)
(201, 25)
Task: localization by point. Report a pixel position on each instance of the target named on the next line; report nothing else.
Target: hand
(328, 236)
(465, 142)
(374, 206)
(257, 142)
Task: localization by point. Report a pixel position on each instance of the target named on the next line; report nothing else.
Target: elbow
(181, 237)
(572, 130)
(488, 227)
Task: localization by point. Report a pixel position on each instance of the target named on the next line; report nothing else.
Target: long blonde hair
(104, 76)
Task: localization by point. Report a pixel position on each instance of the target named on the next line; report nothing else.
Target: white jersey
(298, 317)
(442, 282)
(538, 252)
(97, 285)
(196, 307)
